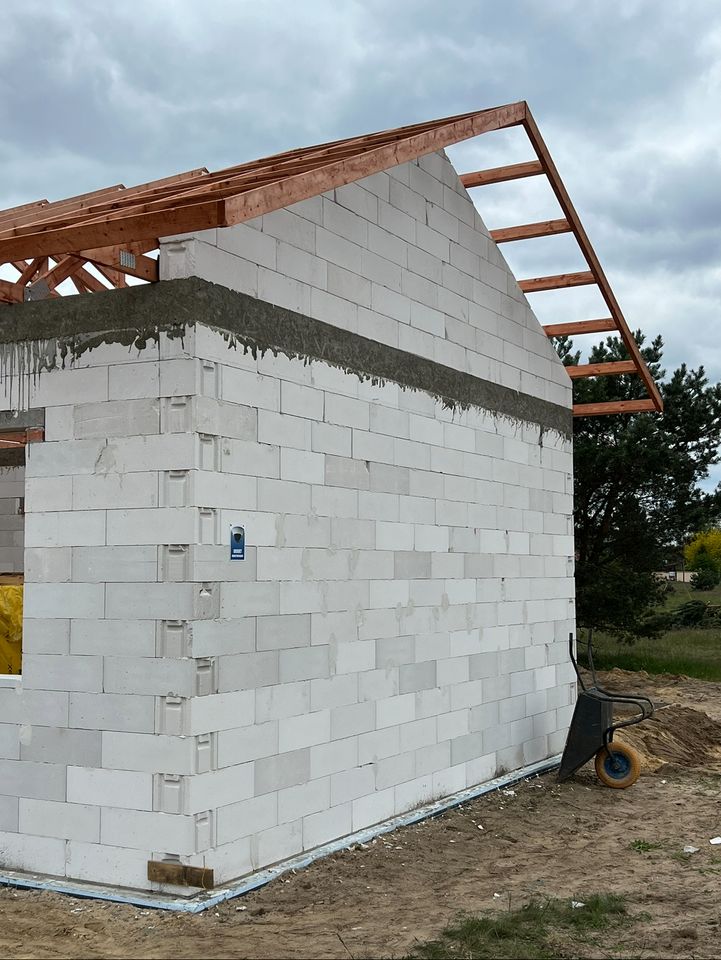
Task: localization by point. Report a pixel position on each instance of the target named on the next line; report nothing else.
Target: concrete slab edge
(204, 901)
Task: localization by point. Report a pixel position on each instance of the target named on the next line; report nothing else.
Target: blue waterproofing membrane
(205, 900)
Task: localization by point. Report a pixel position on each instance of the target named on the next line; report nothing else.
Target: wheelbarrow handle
(637, 699)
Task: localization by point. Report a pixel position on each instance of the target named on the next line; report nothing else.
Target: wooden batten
(610, 369)
(605, 325)
(513, 171)
(557, 282)
(529, 231)
(613, 406)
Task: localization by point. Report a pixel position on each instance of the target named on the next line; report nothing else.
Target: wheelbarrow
(593, 727)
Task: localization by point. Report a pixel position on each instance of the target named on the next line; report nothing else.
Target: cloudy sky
(626, 92)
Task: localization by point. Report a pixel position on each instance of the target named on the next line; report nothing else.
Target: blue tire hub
(616, 764)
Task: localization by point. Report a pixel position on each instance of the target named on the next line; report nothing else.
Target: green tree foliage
(636, 485)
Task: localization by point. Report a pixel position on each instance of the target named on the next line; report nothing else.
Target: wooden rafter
(249, 194)
(62, 270)
(11, 292)
(145, 268)
(36, 265)
(113, 229)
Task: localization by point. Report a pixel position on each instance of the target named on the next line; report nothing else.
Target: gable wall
(401, 257)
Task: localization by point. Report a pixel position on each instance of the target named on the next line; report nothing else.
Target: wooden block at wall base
(180, 874)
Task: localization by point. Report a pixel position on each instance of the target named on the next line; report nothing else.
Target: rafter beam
(613, 406)
(611, 368)
(26, 214)
(112, 200)
(23, 208)
(11, 292)
(557, 282)
(114, 277)
(283, 190)
(528, 231)
(135, 265)
(54, 276)
(589, 253)
(605, 325)
(513, 171)
(112, 229)
(37, 265)
(90, 282)
(121, 230)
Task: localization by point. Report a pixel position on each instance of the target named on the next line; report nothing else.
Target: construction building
(294, 519)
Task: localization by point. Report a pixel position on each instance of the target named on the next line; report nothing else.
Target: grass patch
(680, 593)
(644, 846)
(538, 931)
(695, 653)
(692, 651)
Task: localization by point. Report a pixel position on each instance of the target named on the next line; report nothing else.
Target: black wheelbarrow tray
(593, 727)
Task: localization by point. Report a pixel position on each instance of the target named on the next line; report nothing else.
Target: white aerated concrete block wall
(12, 524)
(96, 736)
(402, 633)
(405, 630)
(398, 629)
(401, 257)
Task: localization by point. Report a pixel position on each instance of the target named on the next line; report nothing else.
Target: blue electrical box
(237, 543)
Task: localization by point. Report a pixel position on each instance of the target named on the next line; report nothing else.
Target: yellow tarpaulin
(11, 628)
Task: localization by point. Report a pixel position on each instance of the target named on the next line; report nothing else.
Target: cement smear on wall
(45, 335)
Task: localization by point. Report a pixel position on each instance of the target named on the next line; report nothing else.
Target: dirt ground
(538, 839)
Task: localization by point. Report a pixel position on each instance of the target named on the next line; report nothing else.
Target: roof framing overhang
(115, 228)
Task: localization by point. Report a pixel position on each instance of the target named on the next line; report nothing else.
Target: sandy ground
(540, 839)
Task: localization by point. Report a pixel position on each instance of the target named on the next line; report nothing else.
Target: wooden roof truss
(114, 229)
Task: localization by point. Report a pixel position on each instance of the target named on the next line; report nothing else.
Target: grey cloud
(626, 96)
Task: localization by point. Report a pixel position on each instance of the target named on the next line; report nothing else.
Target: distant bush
(705, 579)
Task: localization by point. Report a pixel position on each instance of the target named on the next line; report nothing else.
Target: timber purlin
(114, 229)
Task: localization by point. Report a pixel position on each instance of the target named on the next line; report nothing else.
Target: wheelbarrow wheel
(618, 766)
